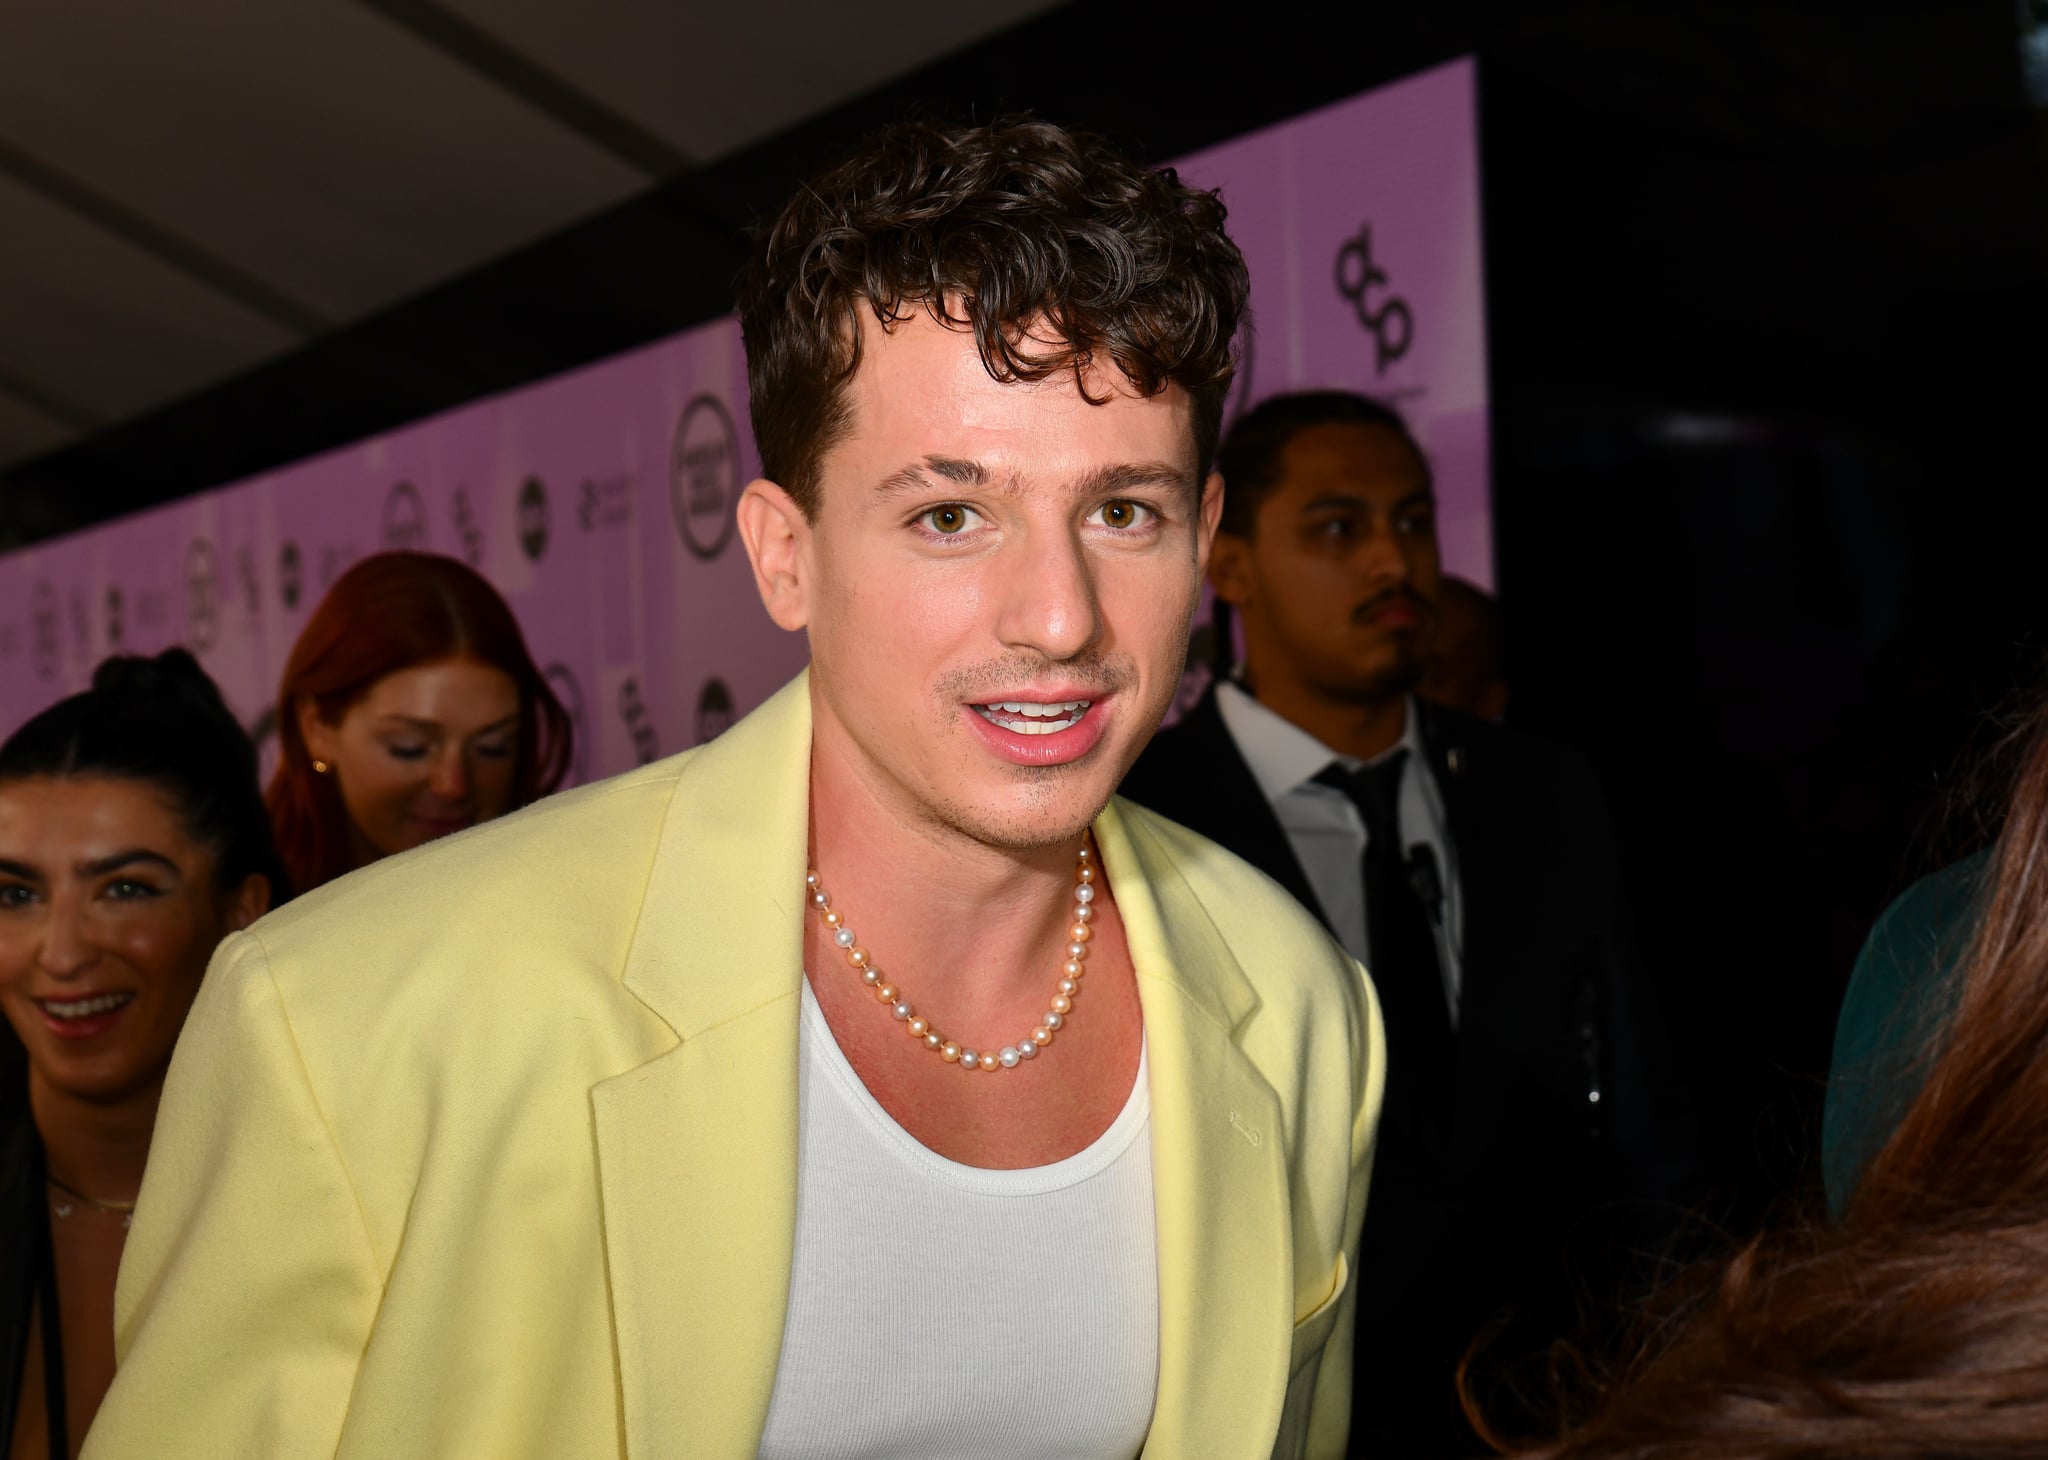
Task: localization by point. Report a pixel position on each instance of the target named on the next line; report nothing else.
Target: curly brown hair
(998, 229)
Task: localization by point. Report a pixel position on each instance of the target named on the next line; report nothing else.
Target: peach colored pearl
(858, 957)
(1061, 1004)
(1087, 874)
(949, 1052)
(918, 1027)
(933, 1040)
(1077, 951)
(832, 918)
(1080, 932)
(1074, 968)
(1041, 1036)
(1069, 987)
(885, 993)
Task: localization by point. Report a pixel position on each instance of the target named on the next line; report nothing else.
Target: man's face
(1337, 586)
(997, 585)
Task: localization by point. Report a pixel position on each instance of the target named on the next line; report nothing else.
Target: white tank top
(941, 1310)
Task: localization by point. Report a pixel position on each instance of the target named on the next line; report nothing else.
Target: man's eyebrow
(1131, 476)
(100, 866)
(917, 476)
(1331, 501)
(21, 870)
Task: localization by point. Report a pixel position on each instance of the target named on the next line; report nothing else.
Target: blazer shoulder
(1492, 749)
(566, 874)
(1248, 907)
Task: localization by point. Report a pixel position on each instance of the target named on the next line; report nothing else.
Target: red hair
(389, 612)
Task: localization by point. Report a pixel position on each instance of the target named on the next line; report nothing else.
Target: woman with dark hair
(132, 840)
(410, 709)
(1915, 1326)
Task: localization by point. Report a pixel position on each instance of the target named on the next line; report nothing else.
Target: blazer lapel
(697, 1149)
(1219, 1169)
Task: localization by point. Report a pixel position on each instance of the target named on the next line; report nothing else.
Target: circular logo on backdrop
(533, 518)
(44, 629)
(291, 574)
(114, 624)
(405, 519)
(569, 690)
(704, 475)
(202, 594)
(714, 710)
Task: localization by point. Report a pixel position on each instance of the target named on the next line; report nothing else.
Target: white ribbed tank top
(941, 1310)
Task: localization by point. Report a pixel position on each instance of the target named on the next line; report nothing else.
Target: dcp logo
(405, 519)
(533, 519)
(704, 475)
(1382, 313)
(202, 595)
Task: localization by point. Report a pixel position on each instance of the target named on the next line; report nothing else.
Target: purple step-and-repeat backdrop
(601, 501)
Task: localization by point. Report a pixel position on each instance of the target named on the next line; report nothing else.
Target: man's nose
(1045, 595)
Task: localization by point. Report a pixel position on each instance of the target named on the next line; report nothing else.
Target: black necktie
(1401, 955)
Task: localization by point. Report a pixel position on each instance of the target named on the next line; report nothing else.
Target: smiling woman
(132, 840)
(410, 709)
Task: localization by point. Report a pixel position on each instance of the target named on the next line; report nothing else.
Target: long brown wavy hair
(386, 613)
(1917, 1326)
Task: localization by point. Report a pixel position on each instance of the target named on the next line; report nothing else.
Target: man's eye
(14, 894)
(1123, 514)
(950, 520)
(128, 889)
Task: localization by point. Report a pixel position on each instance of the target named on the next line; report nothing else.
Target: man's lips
(1397, 611)
(1042, 728)
(84, 1015)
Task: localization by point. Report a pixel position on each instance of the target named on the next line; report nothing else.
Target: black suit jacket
(1559, 1112)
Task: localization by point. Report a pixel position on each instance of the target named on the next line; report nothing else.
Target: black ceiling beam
(535, 85)
(46, 402)
(153, 238)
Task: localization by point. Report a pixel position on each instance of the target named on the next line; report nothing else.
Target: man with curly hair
(602, 1131)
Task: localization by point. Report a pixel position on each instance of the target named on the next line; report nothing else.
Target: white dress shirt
(1327, 833)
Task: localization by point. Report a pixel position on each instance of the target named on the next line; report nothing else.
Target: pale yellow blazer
(490, 1149)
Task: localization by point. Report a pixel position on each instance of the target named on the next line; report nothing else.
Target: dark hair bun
(173, 676)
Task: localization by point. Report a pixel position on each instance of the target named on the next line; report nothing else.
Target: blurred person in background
(132, 840)
(1469, 867)
(410, 709)
(1915, 1325)
(1463, 668)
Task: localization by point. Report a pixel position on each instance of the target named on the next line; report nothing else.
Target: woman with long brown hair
(1917, 1325)
(410, 708)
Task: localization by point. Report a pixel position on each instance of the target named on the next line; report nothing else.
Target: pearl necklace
(922, 1029)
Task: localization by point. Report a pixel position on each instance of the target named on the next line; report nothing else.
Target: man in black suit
(1468, 867)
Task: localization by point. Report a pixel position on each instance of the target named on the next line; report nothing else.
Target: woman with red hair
(410, 709)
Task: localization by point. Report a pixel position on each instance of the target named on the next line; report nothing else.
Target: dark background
(1765, 284)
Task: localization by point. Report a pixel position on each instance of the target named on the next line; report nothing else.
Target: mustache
(1401, 592)
(1099, 674)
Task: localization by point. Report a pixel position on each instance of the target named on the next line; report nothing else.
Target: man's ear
(1207, 514)
(317, 734)
(776, 533)
(1230, 568)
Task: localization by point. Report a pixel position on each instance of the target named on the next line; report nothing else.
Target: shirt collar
(1281, 754)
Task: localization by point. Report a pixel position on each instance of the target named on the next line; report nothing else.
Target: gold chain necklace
(920, 1028)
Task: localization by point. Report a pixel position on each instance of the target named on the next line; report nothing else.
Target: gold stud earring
(319, 767)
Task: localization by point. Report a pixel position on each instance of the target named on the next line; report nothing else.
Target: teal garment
(1900, 995)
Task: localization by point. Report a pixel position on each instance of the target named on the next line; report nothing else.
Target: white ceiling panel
(316, 147)
(95, 321)
(710, 78)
